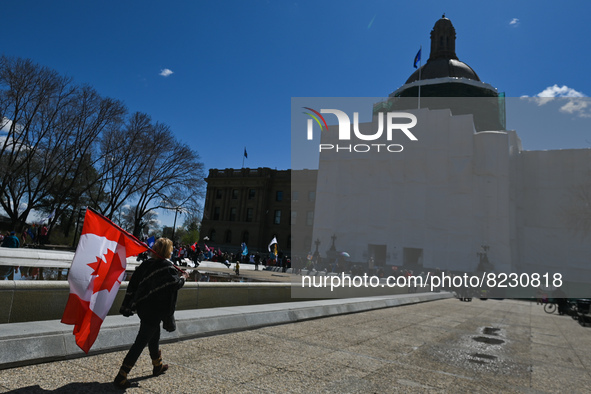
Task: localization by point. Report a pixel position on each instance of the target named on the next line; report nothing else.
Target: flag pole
(243, 156)
(420, 66)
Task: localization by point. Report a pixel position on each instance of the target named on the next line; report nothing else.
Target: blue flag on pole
(417, 58)
(151, 241)
(244, 249)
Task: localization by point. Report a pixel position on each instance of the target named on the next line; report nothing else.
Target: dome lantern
(443, 40)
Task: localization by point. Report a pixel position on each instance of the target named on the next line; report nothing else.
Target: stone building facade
(464, 197)
(254, 205)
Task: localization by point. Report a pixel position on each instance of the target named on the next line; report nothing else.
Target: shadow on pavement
(73, 388)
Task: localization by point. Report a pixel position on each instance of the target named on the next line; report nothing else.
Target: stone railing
(22, 301)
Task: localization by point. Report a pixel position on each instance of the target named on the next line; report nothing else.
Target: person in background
(11, 241)
(43, 239)
(257, 261)
(152, 293)
(24, 236)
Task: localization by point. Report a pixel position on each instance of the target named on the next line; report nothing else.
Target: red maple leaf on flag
(107, 273)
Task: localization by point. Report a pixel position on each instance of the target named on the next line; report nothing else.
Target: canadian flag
(96, 274)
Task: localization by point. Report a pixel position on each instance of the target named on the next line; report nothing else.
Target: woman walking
(152, 293)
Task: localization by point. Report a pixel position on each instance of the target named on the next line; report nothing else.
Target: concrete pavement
(440, 346)
(37, 341)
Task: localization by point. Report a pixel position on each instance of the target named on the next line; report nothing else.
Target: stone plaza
(442, 345)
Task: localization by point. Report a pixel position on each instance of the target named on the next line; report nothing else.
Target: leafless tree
(173, 175)
(150, 221)
(32, 99)
(122, 165)
(90, 116)
(63, 146)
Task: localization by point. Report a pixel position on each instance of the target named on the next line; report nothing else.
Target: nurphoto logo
(344, 131)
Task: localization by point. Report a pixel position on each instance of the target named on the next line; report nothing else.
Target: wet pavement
(440, 346)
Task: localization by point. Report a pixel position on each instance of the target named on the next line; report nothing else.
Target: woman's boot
(159, 368)
(121, 378)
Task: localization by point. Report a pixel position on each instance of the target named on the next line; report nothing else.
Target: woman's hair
(162, 248)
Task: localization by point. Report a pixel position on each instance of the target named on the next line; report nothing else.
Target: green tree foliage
(191, 225)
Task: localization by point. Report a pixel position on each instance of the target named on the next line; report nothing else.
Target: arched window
(229, 237)
(245, 236)
(212, 235)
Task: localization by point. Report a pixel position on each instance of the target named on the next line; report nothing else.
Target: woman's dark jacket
(152, 292)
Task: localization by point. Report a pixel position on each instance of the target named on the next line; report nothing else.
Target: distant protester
(11, 241)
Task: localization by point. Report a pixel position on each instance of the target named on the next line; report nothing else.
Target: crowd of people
(182, 254)
(34, 235)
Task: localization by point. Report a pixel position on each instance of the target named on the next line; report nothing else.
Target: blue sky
(234, 65)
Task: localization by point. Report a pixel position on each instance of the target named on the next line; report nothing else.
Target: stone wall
(22, 301)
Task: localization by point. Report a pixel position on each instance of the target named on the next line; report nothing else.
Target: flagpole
(243, 156)
(420, 66)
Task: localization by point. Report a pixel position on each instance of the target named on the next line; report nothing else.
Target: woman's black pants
(149, 334)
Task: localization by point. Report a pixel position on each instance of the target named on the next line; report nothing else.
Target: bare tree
(122, 164)
(173, 176)
(64, 146)
(89, 116)
(149, 224)
(32, 99)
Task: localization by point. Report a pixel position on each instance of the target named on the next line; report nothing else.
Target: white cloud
(562, 91)
(577, 102)
(5, 133)
(5, 125)
(579, 107)
(166, 72)
(514, 22)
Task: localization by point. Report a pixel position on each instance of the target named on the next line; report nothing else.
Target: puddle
(490, 331)
(489, 341)
(479, 358)
(486, 350)
(485, 356)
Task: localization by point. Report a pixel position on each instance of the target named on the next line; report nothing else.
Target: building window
(218, 194)
(245, 237)
(295, 196)
(234, 194)
(311, 196)
(232, 214)
(216, 213)
(277, 217)
(279, 195)
(293, 217)
(310, 218)
(249, 214)
(228, 237)
(212, 235)
(251, 194)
